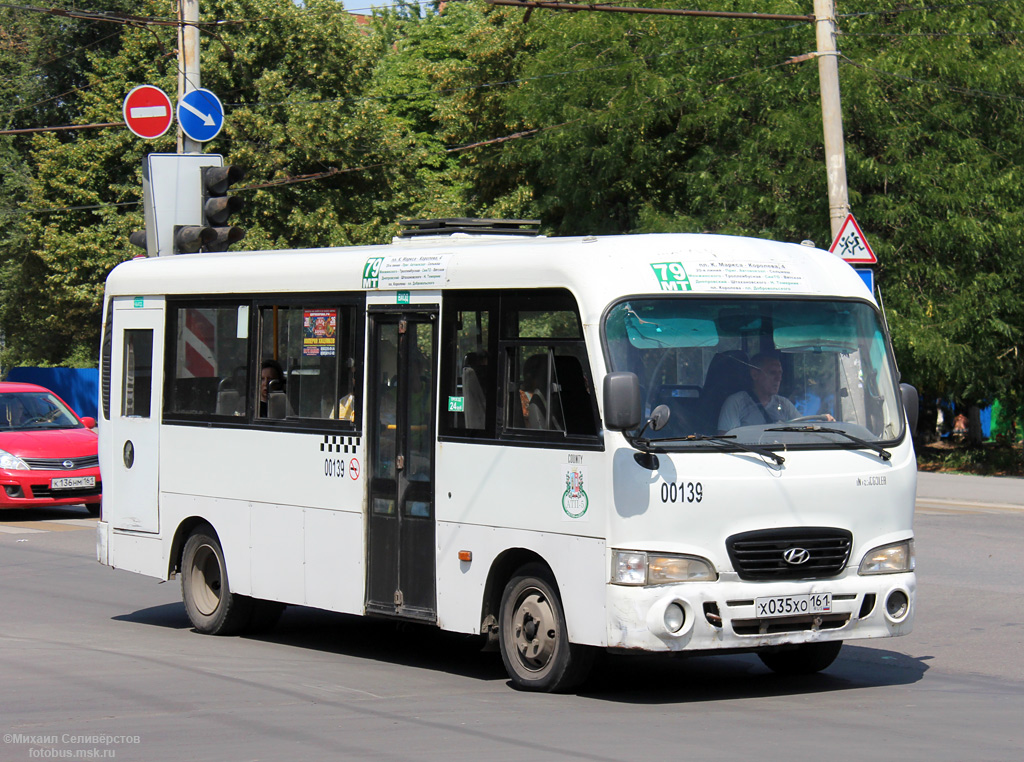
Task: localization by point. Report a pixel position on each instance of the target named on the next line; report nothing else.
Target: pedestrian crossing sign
(851, 244)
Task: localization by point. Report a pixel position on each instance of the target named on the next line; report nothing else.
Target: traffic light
(138, 238)
(186, 204)
(218, 206)
(188, 239)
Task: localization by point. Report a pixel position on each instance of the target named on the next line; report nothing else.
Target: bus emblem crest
(574, 499)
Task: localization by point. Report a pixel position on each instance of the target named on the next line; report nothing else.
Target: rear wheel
(533, 636)
(801, 660)
(209, 602)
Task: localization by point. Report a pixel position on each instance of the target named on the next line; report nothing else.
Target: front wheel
(534, 639)
(209, 602)
(801, 660)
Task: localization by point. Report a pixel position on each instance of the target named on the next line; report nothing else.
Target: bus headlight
(889, 559)
(630, 567)
(12, 462)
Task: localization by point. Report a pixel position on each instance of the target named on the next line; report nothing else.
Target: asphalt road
(102, 664)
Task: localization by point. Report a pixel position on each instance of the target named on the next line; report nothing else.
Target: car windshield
(30, 411)
(770, 372)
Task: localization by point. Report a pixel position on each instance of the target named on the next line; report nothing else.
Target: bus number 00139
(684, 492)
(334, 467)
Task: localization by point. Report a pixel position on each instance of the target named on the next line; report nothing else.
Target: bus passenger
(270, 370)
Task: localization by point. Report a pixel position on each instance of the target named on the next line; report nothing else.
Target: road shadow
(169, 615)
(48, 513)
(689, 678)
(624, 678)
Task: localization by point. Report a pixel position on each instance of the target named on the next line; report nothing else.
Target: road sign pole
(831, 113)
(188, 63)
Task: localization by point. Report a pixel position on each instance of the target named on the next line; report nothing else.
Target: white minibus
(647, 443)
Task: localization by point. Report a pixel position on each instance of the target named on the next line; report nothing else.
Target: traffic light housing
(218, 207)
(186, 207)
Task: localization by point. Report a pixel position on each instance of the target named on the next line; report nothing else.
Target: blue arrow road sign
(201, 115)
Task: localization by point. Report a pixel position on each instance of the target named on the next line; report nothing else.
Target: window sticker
(319, 329)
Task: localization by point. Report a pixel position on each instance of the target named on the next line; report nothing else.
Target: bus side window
(207, 359)
(314, 347)
(548, 387)
(468, 364)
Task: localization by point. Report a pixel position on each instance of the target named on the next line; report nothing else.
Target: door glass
(421, 363)
(385, 418)
(138, 373)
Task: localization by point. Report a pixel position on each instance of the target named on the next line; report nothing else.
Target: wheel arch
(502, 568)
(181, 535)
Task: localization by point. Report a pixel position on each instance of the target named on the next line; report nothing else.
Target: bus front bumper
(737, 615)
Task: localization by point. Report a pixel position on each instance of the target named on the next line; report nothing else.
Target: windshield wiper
(882, 452)
(723, 440)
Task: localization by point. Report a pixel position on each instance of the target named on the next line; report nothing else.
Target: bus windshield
(800, 372)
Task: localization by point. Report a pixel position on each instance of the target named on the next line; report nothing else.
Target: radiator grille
(57, 464)
(761, 555)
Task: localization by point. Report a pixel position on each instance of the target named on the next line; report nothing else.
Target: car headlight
(631, 567)
(12, 462)
(889, 559)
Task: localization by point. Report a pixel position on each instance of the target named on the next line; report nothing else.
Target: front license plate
(793, 605)
(73, 482)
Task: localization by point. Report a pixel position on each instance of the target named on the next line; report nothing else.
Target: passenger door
(131, 481)
(401, 425)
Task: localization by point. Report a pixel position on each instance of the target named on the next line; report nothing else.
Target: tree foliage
(593, 122)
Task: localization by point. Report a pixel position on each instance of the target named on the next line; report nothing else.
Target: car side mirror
(89, 422)
(912, 404)
(623, 405)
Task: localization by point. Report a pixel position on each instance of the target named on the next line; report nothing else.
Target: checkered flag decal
(339, 444)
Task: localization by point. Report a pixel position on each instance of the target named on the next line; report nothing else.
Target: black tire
(533, 637)
(801, 660)
(94, 509)
(209, 602)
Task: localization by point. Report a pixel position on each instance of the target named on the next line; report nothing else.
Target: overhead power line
(560, 6)
(62, 127)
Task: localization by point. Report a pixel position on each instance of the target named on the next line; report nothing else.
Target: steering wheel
(818, 417)
(35, 419)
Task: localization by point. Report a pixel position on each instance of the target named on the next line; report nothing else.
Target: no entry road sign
(147, 111)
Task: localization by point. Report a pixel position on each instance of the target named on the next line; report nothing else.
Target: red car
(47, 453)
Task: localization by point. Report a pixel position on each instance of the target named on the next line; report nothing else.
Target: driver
(761, 405)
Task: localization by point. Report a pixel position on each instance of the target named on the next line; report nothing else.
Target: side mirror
(623, 404)
(912, 404)
(89, 422)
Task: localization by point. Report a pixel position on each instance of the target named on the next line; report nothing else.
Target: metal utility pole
(831, 113)
(188, 63)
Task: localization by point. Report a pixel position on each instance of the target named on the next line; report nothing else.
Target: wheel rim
(206, 580)
(534, 630)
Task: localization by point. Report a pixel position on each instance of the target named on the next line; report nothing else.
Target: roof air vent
(449, 225)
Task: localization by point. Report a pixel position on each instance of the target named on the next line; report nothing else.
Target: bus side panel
(143, 554)
(271, 467)
(276, 555)
(334, 567)
(578, 563)
(229, 519)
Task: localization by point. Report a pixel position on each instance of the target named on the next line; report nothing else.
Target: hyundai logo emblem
(68, 464)
(796, 556)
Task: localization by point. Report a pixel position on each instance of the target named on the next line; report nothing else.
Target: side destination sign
(406, 271)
